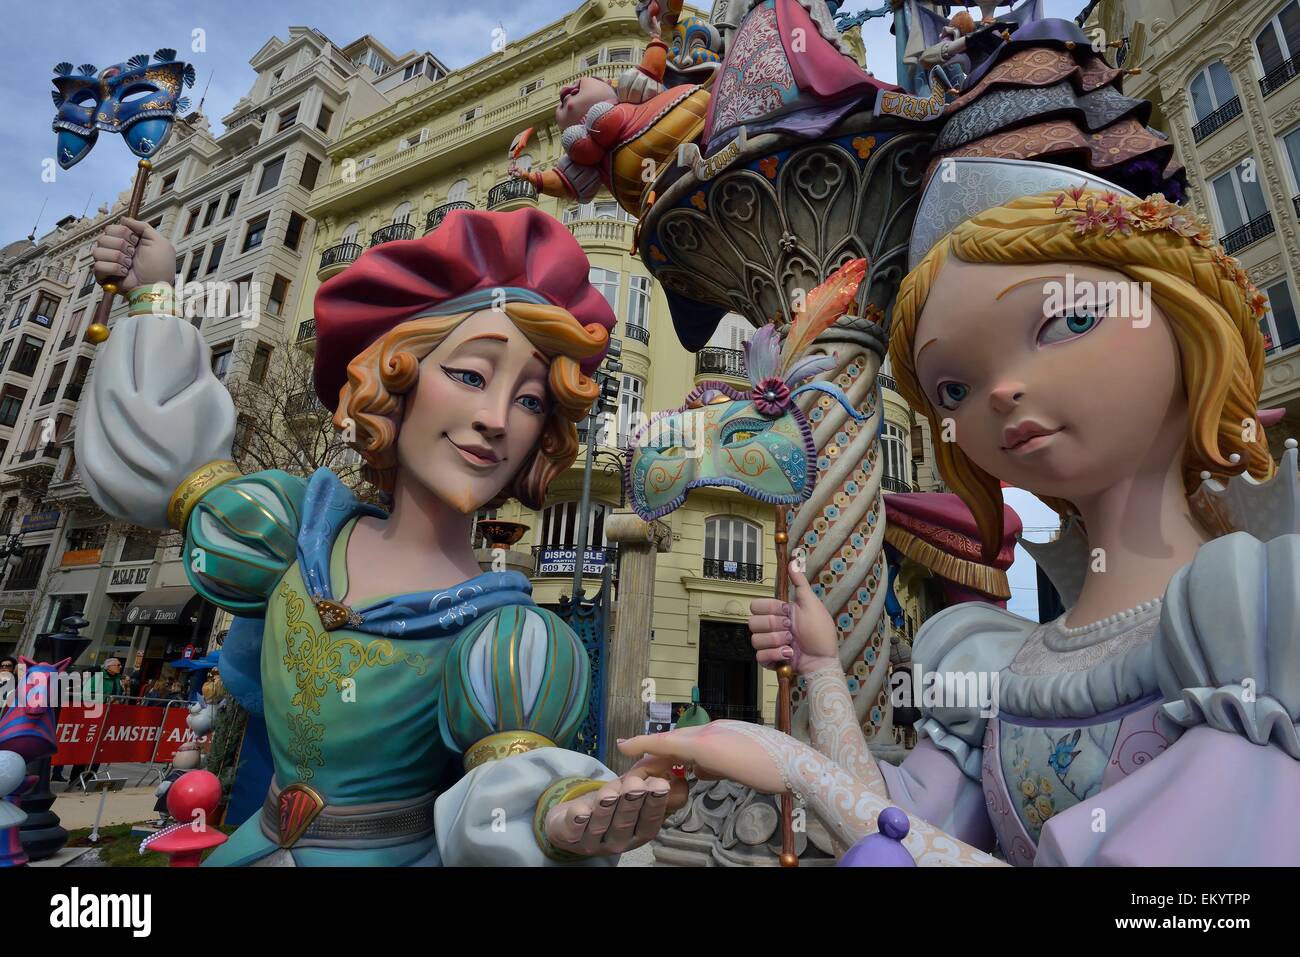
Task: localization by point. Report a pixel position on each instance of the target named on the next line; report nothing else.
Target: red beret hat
(526, 252)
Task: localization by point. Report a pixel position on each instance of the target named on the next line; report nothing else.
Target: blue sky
(110, 31)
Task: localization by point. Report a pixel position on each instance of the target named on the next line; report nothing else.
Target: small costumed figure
(418, 709)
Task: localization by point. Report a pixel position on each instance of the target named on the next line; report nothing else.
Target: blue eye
(954, 392)
(531, 403)
(468, 376)
(1068, 326)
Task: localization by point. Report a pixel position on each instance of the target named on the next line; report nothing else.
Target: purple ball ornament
(885, 847)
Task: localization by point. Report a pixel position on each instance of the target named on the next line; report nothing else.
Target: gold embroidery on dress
(321, 662)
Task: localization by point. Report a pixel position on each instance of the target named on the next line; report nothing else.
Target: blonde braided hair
(1208, 307)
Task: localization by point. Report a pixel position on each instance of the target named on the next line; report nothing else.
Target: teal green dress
(383, 707)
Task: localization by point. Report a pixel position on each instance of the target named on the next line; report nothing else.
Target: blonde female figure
(1101, 351)
(418, 710)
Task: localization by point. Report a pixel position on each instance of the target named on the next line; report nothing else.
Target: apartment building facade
(233, 203)
(1222, 79)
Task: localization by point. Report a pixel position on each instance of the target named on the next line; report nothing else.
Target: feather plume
(58, 97)
(189, 75)
(138, 61)
(164, 55)
(63, 69)
(762, 353)
(182, 104)
(87, 69)
(824, 305)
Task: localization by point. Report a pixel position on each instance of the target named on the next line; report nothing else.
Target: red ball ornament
(194, 791)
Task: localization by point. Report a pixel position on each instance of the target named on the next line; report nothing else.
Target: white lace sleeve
(834, 729)
(847, 807)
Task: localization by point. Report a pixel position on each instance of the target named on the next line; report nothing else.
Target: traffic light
(612, 363)
(609, 388)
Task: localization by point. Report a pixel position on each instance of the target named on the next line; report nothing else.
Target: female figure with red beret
(418, 710)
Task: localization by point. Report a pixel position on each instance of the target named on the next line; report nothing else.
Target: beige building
(1221, 75)
(233, 203)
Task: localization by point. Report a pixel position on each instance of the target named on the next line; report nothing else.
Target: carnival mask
(758, 442)
(137, 99)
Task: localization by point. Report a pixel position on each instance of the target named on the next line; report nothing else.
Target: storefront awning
(161, 606)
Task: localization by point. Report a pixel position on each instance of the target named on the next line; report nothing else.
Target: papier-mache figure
(1102, 351)
(418, 709)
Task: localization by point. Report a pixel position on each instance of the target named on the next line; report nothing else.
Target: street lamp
(606, 405)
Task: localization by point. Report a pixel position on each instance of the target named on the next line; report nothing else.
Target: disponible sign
(560, 561)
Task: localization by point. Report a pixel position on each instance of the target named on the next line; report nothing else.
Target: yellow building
(397, 173)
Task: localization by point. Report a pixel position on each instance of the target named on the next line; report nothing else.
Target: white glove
(155, 413)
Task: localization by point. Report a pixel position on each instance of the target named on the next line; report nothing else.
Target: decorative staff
(138, 99)
(759, 443)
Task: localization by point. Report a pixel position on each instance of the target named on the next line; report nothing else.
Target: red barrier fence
(119, 733)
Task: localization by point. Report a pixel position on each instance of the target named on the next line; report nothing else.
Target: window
(46, 308)
(732, 332)
(1279, 41)
(221, 362)
(1210, 89)
(606, 283)
(293, 232)
(279, 290)
(531, 87)
(92, 536)
(28, 355)
(620, 55)
(470, 115)
(560, 524)
(1279, 324)
(459, 192)
(732, 548)
(156, 223)
(169, 181)
(402, 214)
(310, 170)
(21, 311)
(638, 302)
(411, 139)
(323, 118)
(211, 214)
(53, 382)
(601, 209)
(232, 200)
(350, 234)
(631, 399)
(28, 571)
(74, 327)
(1237, 195)
(64, 606)
(261, 362)
(89, 282)
(11, 402)
(196, 260)
(287, 119)
(256, 231)
(4, 352)
(591, 59)
(411, 70)
(893, 445)
(192, 220)
(214, 259)
(270, 175)
(11, 506)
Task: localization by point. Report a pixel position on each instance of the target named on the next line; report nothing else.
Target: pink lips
(1022, 438)
(567, 92)
(476, 454)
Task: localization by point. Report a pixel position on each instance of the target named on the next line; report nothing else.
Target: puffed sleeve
(515, 689)
(1224, 793)
(940, 780)
(241, 537)
(155, 413)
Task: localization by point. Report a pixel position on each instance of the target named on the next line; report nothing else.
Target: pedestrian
(102, 687)
(8, 680)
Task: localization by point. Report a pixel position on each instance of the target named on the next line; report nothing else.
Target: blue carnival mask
(138, 99)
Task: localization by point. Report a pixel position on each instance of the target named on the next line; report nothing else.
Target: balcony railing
(307, 330)
(438, 214)
(67, 341)
(890, 484)
(73, 392)
(391, 232)
(48, 395)
(887, 382)
(734, 712)
(557, 560)
(714, 361)
(251, 116)
(340, 255)
(639, 333)
(1273, 80)
(40, 319)
(25, 583)
(47, 451)
(303, 403)
(615, 231)
(510, 191)
(25, 366)
(733, 571)
(1252, 232)
(1223, 115)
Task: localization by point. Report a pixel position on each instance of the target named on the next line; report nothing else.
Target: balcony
(25, 583)
(48, 395)
(714, 361)
(247, 127)
(1220, 117)
(733, 712)
(73, 392)
(25, 366)
(302, 404)
(67, 341)
(306, 331)
(392, 232)
(890, 484)
(639, 333)
(887, 382)
(438, 214)
(1276, 79)
(336, 259)
(607, 232)
(1252, 232)
(42, 457)
(511, 194)
(732, 571)
(556, 561)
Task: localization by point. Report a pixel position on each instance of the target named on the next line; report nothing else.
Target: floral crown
(1109, 214)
